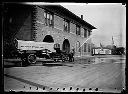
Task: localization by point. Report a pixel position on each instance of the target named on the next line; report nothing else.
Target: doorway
(66, 45)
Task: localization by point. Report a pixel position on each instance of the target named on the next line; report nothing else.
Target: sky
(109, 19)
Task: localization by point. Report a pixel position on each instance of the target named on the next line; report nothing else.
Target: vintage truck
(29, 51)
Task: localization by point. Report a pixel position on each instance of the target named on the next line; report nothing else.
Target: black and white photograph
(64, 47)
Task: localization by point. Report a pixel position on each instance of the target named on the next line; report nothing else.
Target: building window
(85, 33)
(78, 32)
(78, 46)
(89, 47)
(89, 33)
(48, 18)
(66, 26)
(85, 47)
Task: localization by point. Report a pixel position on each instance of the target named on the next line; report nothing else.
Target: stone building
(49, 23)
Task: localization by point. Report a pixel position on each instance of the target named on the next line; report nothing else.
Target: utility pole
(112, 41)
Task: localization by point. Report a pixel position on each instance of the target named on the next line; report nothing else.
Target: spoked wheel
(67, 58)
(54, 60)
(32, 59)
(63, 58)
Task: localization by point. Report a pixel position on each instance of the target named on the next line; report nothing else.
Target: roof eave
(75, 16)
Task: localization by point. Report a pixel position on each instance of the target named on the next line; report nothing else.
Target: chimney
(82, 17)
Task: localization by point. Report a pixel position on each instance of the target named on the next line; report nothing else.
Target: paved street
(106, 74)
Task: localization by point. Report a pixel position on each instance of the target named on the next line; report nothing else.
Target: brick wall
(57, 31)
(28, 23)
(58, 22)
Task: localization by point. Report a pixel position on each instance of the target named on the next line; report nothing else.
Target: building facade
(53, 23)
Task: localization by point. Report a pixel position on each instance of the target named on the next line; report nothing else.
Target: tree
(120, 50)
(114, 50)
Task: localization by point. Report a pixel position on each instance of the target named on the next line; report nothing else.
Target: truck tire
(63, 58)
(54, 60)
(67, 58)
(32, 58)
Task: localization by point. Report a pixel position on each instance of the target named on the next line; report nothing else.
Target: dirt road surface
(103, 74)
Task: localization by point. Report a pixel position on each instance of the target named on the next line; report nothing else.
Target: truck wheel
(63, 58)
(54, 60)
(67, 58)
(32, 59)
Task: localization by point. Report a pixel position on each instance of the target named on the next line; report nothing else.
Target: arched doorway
(48, 38)
(66, 45)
